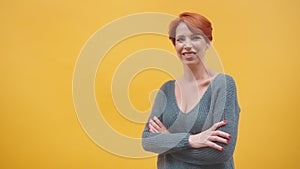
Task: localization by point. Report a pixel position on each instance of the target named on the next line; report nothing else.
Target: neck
(197, 72)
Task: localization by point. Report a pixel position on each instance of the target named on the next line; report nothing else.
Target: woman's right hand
(210, 136)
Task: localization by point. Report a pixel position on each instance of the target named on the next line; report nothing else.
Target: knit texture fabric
(219, 102)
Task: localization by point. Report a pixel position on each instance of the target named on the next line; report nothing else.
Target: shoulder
(224, 77)
(224, 81)
(168, 85)
(166, 89)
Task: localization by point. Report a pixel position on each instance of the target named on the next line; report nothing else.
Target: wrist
(192, 140)
(195, 142)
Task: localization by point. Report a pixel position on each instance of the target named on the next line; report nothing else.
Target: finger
(219, 124)
(218, 139)
(154, 124)
(215, 146)
(222, 134)
(158, 122)
(152, 129)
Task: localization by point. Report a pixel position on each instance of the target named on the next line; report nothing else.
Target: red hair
(193, 20)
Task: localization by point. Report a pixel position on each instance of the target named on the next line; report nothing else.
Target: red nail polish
(222, 149)
(229, 136)
(225, 121)
(227, 141)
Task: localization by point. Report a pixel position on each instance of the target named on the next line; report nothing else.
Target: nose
(187, 45)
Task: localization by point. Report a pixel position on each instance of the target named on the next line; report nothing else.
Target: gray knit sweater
(219, 102)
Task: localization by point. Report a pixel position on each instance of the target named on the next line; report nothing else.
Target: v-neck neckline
(200, 99)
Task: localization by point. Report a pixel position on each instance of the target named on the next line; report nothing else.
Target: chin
(191, 62)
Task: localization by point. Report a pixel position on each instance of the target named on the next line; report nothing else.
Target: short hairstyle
(193, 20)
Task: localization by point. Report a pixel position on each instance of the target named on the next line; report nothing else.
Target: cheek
(178, 47)
(200, 46)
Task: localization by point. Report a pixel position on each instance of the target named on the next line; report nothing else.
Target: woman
(194, 119)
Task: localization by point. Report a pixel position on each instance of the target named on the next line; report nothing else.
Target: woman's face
(190, 46)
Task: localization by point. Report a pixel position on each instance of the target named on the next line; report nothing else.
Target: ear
(208, 45)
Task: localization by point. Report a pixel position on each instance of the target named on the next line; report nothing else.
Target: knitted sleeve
(208, 155)
(161, 143)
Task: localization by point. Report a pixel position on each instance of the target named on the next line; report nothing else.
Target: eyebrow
(179, 36)
(194, 34)
(197, 34)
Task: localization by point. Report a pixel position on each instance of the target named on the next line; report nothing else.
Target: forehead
(184, 29)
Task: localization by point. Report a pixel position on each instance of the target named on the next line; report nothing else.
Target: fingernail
(222, 149)
(229, 136)
(225, 121)
(227, 141)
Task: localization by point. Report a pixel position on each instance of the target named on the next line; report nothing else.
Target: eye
(197, 37)
(180, 39)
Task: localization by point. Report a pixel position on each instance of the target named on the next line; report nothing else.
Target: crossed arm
(214, 145)
(211, 146)
(207, 138)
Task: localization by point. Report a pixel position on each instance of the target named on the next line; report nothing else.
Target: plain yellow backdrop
(257, 41)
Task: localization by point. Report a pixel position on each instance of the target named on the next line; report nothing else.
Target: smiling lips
(188, 55)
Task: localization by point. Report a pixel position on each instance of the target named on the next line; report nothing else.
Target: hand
(210, 136)
(156, 126)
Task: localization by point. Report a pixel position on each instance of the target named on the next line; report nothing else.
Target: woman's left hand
(156, 126)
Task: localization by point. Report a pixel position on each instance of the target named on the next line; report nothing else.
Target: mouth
(188, 54)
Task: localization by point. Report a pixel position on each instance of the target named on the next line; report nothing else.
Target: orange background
(258, 43)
